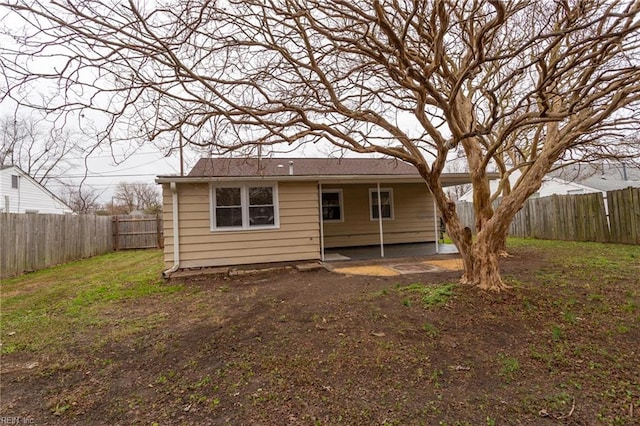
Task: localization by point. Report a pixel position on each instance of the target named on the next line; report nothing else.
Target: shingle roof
(603, 177)
(244, 167)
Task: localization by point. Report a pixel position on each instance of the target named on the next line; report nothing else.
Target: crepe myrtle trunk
(481, 258)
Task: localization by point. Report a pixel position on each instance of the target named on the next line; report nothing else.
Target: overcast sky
(104, 169)
(100, 170)
(104, 174)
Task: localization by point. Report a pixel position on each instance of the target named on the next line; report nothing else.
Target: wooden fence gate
(137, 232)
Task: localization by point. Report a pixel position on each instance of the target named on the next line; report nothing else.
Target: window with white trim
(332, 205)
(386, 203)
(248, 206)
(14, 181)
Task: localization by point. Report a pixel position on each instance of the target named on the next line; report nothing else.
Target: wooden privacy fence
(562, 217)
(624, 215)
(137, 232)
(29, 242)
(583, 217)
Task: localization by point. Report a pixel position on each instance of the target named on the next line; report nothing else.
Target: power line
(108, 174)
(98, 176)
(126, 156)
(97, 185)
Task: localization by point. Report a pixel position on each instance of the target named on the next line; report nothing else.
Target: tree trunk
(481, 260)
(480, 257)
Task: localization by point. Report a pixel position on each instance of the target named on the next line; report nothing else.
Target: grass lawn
(107, 341)
(47, 308)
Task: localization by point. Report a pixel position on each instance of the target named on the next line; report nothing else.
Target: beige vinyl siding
(413, 213)
(297, 238)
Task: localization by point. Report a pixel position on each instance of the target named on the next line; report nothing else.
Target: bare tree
(136, 196)
(125, 197)
(82, 199)
(38, 148)
(515, 85)
(148, 197)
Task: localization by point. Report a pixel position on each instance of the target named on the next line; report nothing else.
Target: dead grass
(105, 341)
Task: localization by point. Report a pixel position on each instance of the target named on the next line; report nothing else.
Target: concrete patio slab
(390, 251)
(399, 259)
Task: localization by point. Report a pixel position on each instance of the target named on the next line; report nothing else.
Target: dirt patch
(371, 270)
(319, 347)
(451, 264)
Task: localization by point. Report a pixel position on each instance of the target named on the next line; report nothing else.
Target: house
(20, 193)
(578, 179)
(234, 211)
(600, 177)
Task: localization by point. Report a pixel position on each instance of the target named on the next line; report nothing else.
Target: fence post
(116, 234)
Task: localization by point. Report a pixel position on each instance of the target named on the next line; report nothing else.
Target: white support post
(380, 222)
(436, 224)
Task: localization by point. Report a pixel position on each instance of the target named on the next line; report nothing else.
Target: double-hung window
(227, 207)
(384, 205)
(247, 206)
(262, 209)
(332, 205)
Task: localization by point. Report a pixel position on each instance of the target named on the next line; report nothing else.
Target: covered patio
(391, 251)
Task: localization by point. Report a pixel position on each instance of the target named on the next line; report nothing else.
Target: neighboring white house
(578, 179)
(20, 193)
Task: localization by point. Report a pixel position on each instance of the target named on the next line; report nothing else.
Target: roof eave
(449, 179)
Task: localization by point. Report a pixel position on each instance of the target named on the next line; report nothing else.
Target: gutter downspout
(321, 222)
(176, 232)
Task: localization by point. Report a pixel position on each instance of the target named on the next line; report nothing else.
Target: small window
(31, 211)
(332, 205)
(14, 181)
(243, 207)
(386, 203)
(575, 191)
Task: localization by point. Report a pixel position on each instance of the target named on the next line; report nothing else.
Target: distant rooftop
(601, 176)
